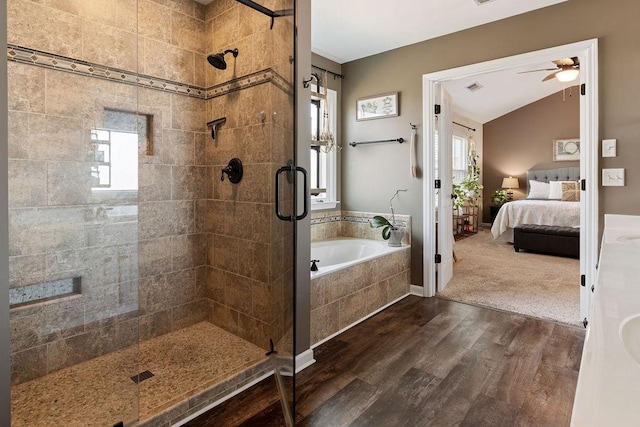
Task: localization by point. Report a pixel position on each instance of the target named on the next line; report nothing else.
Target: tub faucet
(314, 267)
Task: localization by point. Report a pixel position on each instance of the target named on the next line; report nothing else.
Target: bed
(538, 211)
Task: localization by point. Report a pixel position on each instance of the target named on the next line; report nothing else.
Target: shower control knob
(233, 171)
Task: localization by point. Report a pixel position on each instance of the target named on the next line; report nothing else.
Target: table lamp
(510, 183)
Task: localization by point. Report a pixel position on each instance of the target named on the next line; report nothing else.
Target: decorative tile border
(367, 219)
(326, 219)
(61, 63)
(352, 218)
(257, 78)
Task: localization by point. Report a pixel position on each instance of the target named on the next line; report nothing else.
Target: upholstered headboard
(559, 174)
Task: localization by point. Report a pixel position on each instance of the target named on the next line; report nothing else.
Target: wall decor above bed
(566, 150)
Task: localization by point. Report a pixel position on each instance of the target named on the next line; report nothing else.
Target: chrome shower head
(218, 61)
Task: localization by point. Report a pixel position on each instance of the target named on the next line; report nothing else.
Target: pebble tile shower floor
(101, 391)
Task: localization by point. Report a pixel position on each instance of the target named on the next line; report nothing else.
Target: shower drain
(144, 375)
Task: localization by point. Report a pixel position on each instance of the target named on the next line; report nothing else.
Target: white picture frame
(565, 150)
(378, 107)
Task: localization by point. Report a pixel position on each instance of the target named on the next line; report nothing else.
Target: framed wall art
(377, 107)
(566, 149)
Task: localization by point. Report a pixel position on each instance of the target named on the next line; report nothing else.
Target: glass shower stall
(151, 206)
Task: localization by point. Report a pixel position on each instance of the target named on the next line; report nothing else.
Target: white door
(445, 175)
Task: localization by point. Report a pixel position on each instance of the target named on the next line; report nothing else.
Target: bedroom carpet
(492, 274)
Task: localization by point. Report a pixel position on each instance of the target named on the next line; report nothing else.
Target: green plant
(380, 221)
(467, 192)
(499, 197)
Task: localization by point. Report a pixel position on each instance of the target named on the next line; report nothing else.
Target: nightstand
(493, 212)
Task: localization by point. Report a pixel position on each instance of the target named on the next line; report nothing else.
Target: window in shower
(114, 152)
(323, 169)
(115, 166)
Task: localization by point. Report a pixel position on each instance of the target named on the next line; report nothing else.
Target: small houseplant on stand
(390, 231)
(499, 197)
(467, 193)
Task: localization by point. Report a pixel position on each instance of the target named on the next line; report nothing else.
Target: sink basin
(630, 335)
(630, 240)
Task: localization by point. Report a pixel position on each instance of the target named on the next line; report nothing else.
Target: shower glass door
(73, 213)
(144, 287)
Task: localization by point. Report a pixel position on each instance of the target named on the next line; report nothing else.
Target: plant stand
(465, 223)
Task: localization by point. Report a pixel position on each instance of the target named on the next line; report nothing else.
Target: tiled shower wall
(149, 265)
(250, 288)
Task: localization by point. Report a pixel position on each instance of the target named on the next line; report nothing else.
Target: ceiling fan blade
(534, 71)
(550, 76)
(567, 61)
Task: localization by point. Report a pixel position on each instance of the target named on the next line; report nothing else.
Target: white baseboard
(304, 360)
(358, 321)
(416, 290)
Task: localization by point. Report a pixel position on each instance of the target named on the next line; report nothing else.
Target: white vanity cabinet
(608, 390)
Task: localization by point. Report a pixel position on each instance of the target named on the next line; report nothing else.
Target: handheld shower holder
(214, 126)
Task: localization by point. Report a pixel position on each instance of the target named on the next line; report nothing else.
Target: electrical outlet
(612, 177)
(608, 148)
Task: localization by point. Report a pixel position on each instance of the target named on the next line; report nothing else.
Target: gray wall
(372, 173)
(522, 140)
(5, 394)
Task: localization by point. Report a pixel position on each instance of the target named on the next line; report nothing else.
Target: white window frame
(330, 200)
(465, 158)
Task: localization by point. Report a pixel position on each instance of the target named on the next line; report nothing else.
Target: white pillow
(555, 189)
(539, 190)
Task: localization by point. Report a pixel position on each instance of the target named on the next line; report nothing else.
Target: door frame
(587, 52)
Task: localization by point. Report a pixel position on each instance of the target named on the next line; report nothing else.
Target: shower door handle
(290, 170)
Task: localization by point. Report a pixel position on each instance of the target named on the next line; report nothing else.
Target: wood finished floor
(427, 362)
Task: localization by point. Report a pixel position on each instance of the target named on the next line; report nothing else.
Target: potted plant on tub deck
(391, 231)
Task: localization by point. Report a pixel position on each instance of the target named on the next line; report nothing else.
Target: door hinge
(593, 288)
(437, 108)
(583, 89)
(583, 280)
(438, 258)
(583, 184)
(438, 183)
(585, 322)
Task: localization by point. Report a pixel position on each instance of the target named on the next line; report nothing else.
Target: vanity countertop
(608, 390)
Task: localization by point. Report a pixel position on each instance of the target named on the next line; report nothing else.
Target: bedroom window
(459, 157)
(322, 173)
(459, 154)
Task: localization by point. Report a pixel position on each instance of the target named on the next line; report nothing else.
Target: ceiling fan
(566, 70)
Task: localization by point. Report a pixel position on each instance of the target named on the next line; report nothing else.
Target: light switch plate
(608, 148)
(612, 177)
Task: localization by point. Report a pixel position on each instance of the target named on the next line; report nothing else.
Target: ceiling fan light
(567, 75)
